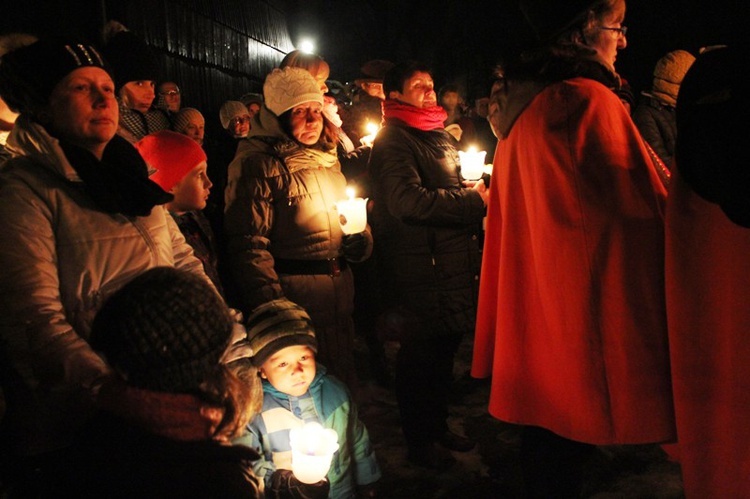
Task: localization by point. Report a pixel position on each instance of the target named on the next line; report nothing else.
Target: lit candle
(472, 163)
(352, 213)
(372, 130)
(312, 450)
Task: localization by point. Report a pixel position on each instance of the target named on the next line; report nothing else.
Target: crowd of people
(172, 312)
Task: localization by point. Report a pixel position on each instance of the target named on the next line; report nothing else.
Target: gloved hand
(357, 247)
(284, 485)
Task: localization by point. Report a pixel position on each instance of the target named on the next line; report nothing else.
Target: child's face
(290, 370)
(192, 191)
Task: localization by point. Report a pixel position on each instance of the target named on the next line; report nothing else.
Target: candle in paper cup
(472, 163)
(352, 213)
(312, 450)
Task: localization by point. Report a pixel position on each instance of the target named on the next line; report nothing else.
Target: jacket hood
(266, 124)
(31, 140)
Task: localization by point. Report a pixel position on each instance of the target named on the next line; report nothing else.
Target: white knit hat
(231, 109)
(289, 87)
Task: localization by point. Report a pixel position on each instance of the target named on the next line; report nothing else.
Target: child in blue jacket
(297, 391)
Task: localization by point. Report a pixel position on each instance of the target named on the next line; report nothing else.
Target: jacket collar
(31, 140)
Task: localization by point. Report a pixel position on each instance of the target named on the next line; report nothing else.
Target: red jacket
(571, 321)
(708, 286)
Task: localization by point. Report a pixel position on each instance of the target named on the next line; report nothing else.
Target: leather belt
(331, 266)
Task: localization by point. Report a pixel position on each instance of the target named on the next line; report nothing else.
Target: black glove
(284, 485)
(356, 247)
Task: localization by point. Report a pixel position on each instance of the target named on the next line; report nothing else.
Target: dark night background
(461, 40)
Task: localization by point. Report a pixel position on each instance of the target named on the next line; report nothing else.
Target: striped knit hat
(278, 324)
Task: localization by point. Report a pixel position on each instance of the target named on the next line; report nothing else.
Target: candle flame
(371, 128)
(472, 149)
(350, 192)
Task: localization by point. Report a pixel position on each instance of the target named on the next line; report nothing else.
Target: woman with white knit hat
(280, 221)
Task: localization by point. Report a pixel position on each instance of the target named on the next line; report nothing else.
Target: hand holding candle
(472, 163)
(372, 131)
(352, 213)
(312, 450)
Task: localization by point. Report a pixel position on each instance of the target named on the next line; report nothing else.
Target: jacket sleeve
(395, 171)
(36, 340)
(255, 438)
(649, 128)
(367, 468)
(248, 220)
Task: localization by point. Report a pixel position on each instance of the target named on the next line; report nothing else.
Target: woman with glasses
(571, 320)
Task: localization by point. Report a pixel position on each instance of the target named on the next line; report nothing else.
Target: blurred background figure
(170, 97)
(367, 104)
(655, 113)
(136, 72)
(457, 123)
(253, 102)
(235, 119)
(708, 276)
(189, 121)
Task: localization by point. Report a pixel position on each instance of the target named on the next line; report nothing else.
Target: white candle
(352, 213)
(472, 163)
(312, 450)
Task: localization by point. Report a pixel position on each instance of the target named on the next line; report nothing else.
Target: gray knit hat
(289, 87)
(184, 116)
(278, 324)
(164, 331)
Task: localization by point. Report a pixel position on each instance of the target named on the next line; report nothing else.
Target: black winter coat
(658, 126)
(116, 459)
(426, 229)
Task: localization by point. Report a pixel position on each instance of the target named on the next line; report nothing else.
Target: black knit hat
(374, 71)
(130, 57)
(278, 324)
(29, 74)
(550, 18)
(164, 331)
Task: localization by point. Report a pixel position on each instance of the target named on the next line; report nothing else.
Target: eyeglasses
(170, 93)
(238, 120)
(621, 31)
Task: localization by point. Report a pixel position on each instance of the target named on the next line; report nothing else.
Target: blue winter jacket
(353, 464)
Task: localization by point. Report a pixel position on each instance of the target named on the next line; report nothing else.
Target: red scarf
(422, 118)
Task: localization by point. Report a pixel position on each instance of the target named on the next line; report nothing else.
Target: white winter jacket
(60, 258)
